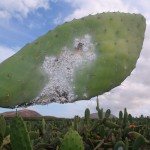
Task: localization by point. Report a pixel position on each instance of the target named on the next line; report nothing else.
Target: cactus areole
(75, 61)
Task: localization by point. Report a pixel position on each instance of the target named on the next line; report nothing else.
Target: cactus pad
(19, 136)
(77, 60)
(72, 141)
(119, 146)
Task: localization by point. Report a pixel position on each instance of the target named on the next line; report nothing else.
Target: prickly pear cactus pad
(77, 60)
(72, 141)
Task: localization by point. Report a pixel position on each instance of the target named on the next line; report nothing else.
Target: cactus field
(105, 133)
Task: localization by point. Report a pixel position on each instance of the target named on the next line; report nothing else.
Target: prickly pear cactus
(2, 126)
(72, 141)
(139, 143)
(101, 131)
(119, 146)
(19, 137)
(33, 135)
(87, 116)
(77, 60)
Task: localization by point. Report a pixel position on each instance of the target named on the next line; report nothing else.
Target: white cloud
(4, 14)
(86, 7)
(58, 20)
(54, 1)
(145, 5)
(21, 8)
(6, 52)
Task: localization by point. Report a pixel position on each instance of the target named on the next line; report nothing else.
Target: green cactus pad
(77, 60)
(110, 124)
(139, 142)
(19, 136)
(33, 135)
(72, 141)
(119, 146)
(101, 131)
(2, 126)
(87, 116)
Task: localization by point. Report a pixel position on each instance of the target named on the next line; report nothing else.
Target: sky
(23, 21)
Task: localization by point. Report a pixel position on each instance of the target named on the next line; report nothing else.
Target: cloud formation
(58, 20)
(86, 7)
(20, 9)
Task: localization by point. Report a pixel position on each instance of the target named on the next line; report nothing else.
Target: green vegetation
(77, 133)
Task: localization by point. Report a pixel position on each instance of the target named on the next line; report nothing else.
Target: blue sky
(23, 21)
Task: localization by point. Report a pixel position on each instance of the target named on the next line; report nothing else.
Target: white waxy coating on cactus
(61, 69)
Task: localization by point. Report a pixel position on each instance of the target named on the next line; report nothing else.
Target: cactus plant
(113, 139)
(133, 134)
(43, 126)
(97, 103)
(87, 116)
(33, 135)
(125, 119)
(2, 126)
(126, 143)
(111, 124)
(107, 114)
(98, 134)
(139, 142)
(19, 136)
(77, 60)
(42, 146)
(2, 129)
(72, 141)
(101, 131)
(1, 140)
(130, 118)
(120, 115)
(119, 146)
(75, 123)
(100, 114)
